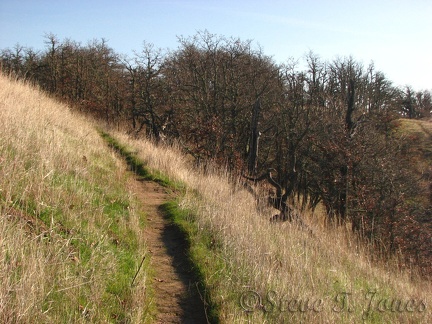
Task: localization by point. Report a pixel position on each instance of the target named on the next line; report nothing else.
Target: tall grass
(70, 230)
(258, 272)
(71, 236)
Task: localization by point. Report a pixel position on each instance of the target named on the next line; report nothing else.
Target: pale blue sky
(396, 35)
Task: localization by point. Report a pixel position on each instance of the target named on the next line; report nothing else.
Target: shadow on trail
(193, 304)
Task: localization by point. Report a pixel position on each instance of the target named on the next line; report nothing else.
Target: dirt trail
(176, 295)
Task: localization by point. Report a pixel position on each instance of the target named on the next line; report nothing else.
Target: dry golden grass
(260, 272)
(70, 236)
(70, 233)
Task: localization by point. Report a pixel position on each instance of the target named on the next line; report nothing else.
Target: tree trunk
(254, 139)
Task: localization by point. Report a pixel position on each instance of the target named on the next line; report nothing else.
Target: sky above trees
(395, 34)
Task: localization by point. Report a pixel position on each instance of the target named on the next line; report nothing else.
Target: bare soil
(175, 287)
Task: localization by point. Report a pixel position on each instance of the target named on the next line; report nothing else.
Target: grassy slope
(70, 232)
(70, 236)
(275, 270)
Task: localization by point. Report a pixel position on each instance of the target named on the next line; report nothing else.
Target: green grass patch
(202, 249)
(132, 161)
(139, 167)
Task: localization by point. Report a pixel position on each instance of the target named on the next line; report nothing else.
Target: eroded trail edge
(176, 295)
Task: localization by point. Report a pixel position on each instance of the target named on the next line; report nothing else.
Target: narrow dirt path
(176, 295)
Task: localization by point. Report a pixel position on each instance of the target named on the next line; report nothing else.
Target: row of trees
(324, 127)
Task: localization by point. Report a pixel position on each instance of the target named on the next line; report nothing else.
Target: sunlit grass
(70, 231)
(262, 272)
(71, 236)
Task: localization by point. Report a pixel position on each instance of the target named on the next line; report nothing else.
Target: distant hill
(416, 145)
(416, 139)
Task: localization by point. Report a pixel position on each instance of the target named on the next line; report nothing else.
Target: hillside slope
(261, 272)
(72, 236)
(70, 232)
